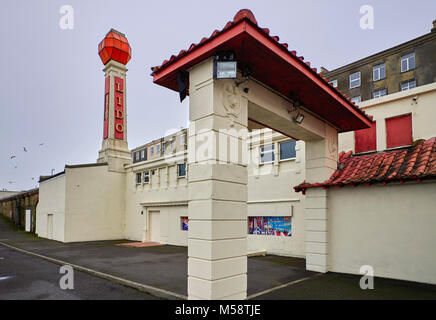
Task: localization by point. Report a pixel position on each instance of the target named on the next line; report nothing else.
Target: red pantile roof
(231, 37)
(413, 163)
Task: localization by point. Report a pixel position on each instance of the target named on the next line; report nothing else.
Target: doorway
(154, 226)
(50, 226)
(28, 222)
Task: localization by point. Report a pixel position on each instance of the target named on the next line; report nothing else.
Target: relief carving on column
(333, 146)
(231, 100)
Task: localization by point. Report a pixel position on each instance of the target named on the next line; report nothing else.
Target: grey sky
(51, 89)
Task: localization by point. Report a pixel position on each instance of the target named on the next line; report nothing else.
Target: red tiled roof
(413, 163)
(247, 15)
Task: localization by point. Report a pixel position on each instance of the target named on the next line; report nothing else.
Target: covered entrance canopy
(220, 110)
(272, 64)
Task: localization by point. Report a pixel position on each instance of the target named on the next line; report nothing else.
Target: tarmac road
(30, 278)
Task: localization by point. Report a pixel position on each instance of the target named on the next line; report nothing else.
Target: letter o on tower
(119, 127)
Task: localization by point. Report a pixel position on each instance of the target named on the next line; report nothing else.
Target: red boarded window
(399, 131)
(366, 139)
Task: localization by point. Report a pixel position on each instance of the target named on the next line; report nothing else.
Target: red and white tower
(114, 51)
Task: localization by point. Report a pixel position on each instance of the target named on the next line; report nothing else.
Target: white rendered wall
(170, 225)
(391, 228)
(51, 201)
(270, 193)
(164, 188)
(94, 204)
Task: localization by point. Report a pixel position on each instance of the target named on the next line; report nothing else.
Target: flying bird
(10, 182)
(24, 148)
(41, 144)
(13, 157)
(16, 167)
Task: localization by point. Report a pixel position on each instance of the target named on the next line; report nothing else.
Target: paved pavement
(346, 287)
(30, 278)
(164, 267)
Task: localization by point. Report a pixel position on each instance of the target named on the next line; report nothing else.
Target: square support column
(321, 162)
(217, 172)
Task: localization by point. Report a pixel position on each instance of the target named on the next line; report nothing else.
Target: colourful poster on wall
(271, 226)
(185, 221)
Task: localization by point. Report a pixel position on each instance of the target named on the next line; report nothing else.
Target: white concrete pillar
(321, 162)
(217, 248)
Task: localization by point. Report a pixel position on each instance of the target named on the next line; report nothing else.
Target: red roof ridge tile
(244, 13)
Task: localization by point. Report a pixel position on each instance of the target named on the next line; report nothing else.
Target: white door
(28, 220)
(154, 226)
(50, 226)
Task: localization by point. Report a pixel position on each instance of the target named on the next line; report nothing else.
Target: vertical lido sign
(119, 108)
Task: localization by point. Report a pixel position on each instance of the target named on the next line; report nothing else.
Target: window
(408, 62)
(270, 226)
(408, 85)
(355, 99)
(355, 80)
(379, 93)
(152, 150)
(184, 221)
(379, 72)
(142, 153)
(181, 170)
(334, 83)
(139, 178)
(399, 131)
(183, 138)
(146, 176)
(287, 150)
(163, 146)
(137, 155)
(171, 144)
(267, 153)
(158, 148)
(366, 139)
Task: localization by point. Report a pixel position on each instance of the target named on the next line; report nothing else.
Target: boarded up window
(399, 131)
(366, 139)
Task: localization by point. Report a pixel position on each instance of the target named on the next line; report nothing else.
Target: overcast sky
(51, 88)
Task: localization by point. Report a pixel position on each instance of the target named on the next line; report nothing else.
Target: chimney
(323, 70)
(434, 26)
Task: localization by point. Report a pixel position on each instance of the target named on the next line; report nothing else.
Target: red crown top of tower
(114, 47)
